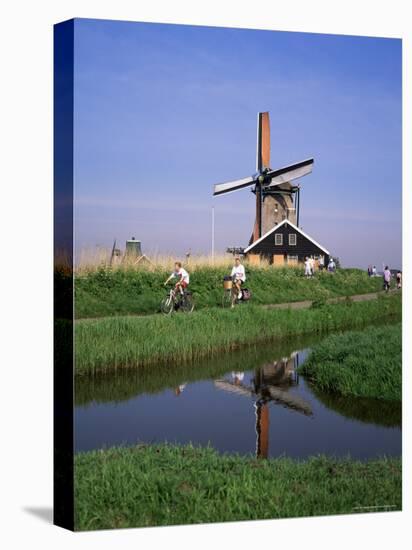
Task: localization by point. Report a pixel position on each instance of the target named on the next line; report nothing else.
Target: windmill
(270, 385)
(277, 198)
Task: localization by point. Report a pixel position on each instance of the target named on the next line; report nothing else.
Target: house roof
(276, 227)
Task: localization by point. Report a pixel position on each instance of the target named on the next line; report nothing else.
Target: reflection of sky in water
(223, 414)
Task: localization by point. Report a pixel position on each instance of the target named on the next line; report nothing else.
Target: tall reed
(111, 343)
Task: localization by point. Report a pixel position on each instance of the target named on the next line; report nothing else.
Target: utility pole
(213, 234)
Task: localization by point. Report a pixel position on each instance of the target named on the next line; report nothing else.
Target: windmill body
(276, 207)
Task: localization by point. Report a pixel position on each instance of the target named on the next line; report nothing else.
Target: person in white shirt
(307, 267)
(399, 279)
(182, 275)
(387, 276)
(239, 276)
(312, 265)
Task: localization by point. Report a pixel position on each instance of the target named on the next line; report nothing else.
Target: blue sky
(162, 112)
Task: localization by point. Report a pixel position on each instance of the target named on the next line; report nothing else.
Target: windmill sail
(234, 185)
(263, 142)
(272, 393)
(291, 172)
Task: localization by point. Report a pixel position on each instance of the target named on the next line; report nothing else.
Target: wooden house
(285, 244)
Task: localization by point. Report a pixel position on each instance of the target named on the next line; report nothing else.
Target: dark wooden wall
(304, 247)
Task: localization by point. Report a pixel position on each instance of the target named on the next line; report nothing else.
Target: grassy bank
(105, 344)
(362, 364)
(169, 485)
(108, 292)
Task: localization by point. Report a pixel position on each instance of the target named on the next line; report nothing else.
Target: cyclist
(182, 275)
(239, 276)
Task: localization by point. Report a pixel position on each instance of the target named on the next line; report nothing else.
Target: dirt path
(308, 303)
(289, 305)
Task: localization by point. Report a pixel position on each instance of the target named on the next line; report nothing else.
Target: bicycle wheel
(227, 298)
(186, 304)
(167, 305)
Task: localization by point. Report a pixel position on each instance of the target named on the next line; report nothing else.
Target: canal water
(249, 402)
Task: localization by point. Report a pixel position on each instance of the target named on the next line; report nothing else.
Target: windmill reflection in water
(271, 385)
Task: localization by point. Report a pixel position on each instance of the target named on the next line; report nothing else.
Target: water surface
(250, 402)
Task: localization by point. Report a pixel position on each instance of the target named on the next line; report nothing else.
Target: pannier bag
(227, 282)
(246, 294)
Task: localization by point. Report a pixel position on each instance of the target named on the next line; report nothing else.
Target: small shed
(286, 244)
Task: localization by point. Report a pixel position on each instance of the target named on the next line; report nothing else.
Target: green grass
(366, 363)
(107, 292)
(168, 485)
(112, 343)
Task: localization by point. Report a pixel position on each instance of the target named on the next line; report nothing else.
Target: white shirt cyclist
(238, 272)
(182, 275)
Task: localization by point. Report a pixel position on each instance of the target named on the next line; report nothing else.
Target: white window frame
(296, 239)
(278, 236)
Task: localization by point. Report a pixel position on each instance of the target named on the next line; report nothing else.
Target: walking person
(307, 267)
(331, 266)
(399, 280)
(374, 272)
(321, 262)
(387, 275)
(312, 266)
(369, 271)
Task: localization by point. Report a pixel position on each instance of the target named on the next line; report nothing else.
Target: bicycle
(177, 301)
(231, 294)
